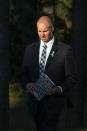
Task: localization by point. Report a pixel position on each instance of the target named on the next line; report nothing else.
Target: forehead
(43, 21)
(43, 25)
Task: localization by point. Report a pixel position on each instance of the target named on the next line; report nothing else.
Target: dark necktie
(43, 58)
(44, 81)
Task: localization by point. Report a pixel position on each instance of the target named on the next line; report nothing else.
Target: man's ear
(52, 28)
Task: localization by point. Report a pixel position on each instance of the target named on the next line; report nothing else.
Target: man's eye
(43, 31)
(46, 31)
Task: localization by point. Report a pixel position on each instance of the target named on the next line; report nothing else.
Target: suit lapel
(52, 53)
(50, 58)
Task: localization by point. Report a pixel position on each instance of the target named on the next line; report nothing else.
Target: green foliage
(63, 11)
(18, 108)
(59, 33)
(68, 3)
(16, 94)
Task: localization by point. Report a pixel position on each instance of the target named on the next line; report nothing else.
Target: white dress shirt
(49, 47)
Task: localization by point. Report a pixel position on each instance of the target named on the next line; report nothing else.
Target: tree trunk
(4, 64)
(79, 43)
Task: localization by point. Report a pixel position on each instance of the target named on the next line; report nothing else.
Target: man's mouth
(43, 38)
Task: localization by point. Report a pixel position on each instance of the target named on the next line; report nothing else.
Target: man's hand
(31, 88)
(51, 91)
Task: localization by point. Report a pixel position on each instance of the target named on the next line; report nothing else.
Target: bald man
(59, 66)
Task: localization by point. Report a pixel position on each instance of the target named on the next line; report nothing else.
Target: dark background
(17, 30)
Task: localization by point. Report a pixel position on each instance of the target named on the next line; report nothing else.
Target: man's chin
(44, 40)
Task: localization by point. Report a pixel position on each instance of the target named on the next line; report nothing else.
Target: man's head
(45, 28)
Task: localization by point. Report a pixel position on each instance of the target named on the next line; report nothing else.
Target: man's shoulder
(32, 45)
(63, 45)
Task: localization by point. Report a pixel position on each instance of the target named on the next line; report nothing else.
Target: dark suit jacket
(61, 67)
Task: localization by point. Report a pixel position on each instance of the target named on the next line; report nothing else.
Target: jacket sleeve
(24, 75)
(71, 74)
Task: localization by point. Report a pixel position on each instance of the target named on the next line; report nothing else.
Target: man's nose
(42, 33)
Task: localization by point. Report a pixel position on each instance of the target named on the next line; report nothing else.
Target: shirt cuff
(60, 88)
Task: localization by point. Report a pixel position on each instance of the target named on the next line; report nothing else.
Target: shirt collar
(50, 43)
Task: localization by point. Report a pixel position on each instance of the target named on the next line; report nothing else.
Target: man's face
(45, 31)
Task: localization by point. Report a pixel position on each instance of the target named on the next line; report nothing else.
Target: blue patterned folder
(42, 84)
